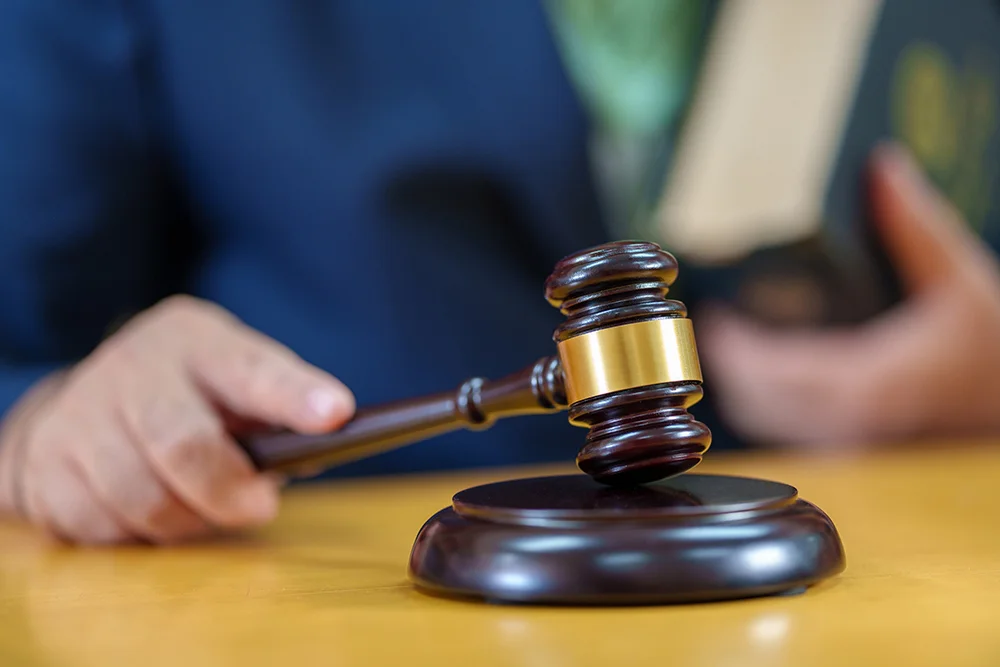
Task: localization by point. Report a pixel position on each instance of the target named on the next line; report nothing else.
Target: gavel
(634, 528)
(626, 367)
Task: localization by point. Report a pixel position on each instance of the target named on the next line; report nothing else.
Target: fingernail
(328, 403)
(323, 402)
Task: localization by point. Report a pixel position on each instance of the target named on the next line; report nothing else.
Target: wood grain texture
(326, 584)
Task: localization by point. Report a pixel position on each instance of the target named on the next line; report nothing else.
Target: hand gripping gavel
(626, 367)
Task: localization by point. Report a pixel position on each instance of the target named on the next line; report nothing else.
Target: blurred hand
(133, 444)
(929, 367)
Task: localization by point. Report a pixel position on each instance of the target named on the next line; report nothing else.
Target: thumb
(924, 236)
(259, 380)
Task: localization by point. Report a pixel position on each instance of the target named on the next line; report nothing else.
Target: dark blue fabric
(382, 186)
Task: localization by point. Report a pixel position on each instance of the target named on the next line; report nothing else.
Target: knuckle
(181, 448)
(176, 451)
(180, 305)
(179, 442)
(156, 326)
(183, 311)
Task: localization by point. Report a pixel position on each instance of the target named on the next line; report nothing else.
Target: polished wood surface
(325, 585)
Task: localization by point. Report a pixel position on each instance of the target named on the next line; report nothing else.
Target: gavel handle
(476, 404)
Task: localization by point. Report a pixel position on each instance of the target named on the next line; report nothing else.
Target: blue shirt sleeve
(84, 224)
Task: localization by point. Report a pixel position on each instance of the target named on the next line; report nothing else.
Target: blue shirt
(383, 187)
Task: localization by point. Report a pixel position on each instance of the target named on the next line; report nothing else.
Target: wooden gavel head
(629, 363)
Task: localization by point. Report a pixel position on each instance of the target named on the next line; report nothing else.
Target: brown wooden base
(570, 540)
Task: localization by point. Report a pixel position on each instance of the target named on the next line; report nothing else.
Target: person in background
(218, 215)
(926, 368)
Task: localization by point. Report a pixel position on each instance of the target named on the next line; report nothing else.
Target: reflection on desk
(326, 584)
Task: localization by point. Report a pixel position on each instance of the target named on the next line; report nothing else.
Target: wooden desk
(326, 585)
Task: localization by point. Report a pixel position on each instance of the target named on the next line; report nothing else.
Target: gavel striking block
(637, 527)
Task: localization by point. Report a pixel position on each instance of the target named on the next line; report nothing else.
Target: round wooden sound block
(570, 540)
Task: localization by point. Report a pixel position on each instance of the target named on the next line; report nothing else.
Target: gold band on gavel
(629, 356)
